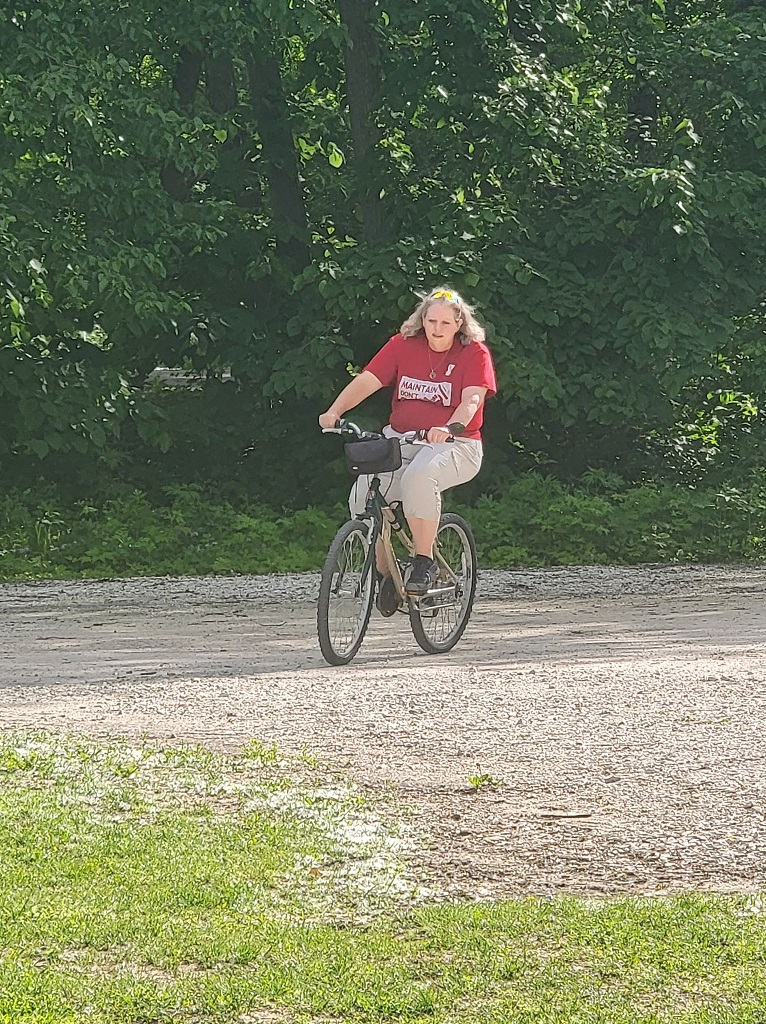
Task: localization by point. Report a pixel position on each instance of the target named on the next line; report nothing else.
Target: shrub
(532, 521)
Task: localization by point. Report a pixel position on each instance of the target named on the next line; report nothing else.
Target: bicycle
(439, 617)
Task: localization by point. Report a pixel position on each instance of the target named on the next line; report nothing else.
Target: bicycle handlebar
(348, 429)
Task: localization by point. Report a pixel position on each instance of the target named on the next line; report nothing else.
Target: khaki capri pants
(426, 471)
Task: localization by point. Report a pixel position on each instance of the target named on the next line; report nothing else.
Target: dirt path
(621, 711)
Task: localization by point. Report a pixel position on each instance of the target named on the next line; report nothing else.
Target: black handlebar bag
(378, 455)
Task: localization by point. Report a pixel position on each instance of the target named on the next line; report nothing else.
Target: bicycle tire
(333, 651)
(419, 618)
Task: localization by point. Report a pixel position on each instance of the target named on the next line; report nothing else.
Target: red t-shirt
(428, 385)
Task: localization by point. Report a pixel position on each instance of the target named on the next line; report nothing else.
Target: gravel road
(620, 712)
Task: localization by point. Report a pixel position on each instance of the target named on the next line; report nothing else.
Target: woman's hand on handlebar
(438, 435)
(328, 420)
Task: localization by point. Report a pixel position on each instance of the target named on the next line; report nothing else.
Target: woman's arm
(471, 400)
(354, 393)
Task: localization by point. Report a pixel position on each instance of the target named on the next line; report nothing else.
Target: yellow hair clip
(449, 296)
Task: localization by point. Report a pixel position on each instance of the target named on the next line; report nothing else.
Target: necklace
(434, 369)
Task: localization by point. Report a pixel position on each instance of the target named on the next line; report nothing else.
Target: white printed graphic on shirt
(425, 390)
(450, 368)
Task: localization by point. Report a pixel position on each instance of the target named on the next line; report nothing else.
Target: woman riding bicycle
(441, 372)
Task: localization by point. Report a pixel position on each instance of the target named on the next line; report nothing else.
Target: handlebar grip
(422, 435)
(347, 429)
(455, 429)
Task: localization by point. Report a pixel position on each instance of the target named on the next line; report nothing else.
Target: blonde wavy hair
(470, 330)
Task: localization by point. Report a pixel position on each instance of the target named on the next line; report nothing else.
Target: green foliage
(538, 521)
(532, 521)
(200, 186)
(189, 533)
(482, 780)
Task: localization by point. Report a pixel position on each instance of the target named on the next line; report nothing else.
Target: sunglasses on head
(442, 294)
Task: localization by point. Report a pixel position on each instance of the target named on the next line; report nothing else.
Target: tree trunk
(186, 78)
(220, 82)
(185, 83)
(362, 62)
(518, 16)
(642, 104)
(271, 114)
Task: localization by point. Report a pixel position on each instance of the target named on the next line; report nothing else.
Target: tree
(260, 187)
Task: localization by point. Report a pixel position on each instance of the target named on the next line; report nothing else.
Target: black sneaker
(387, 600)
(425, 573)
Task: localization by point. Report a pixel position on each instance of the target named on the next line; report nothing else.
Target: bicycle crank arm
(437, 592)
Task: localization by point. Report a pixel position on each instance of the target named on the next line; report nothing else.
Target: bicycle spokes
(345, 597)
(439, 617)
(348, 586)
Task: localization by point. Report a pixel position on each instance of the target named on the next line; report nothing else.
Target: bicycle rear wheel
(438, 619)
(345, 593)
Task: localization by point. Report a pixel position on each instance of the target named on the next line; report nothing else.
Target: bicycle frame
(434, 626)
(384, 520)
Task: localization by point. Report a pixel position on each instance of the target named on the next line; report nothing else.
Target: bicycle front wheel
(438, 619)
(346, 593)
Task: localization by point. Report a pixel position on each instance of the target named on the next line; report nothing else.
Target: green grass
(145, 885)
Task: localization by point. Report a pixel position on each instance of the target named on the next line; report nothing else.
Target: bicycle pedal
(387, 600)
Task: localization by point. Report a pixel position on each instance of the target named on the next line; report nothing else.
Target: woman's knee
(357, 499)
(421, 497)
